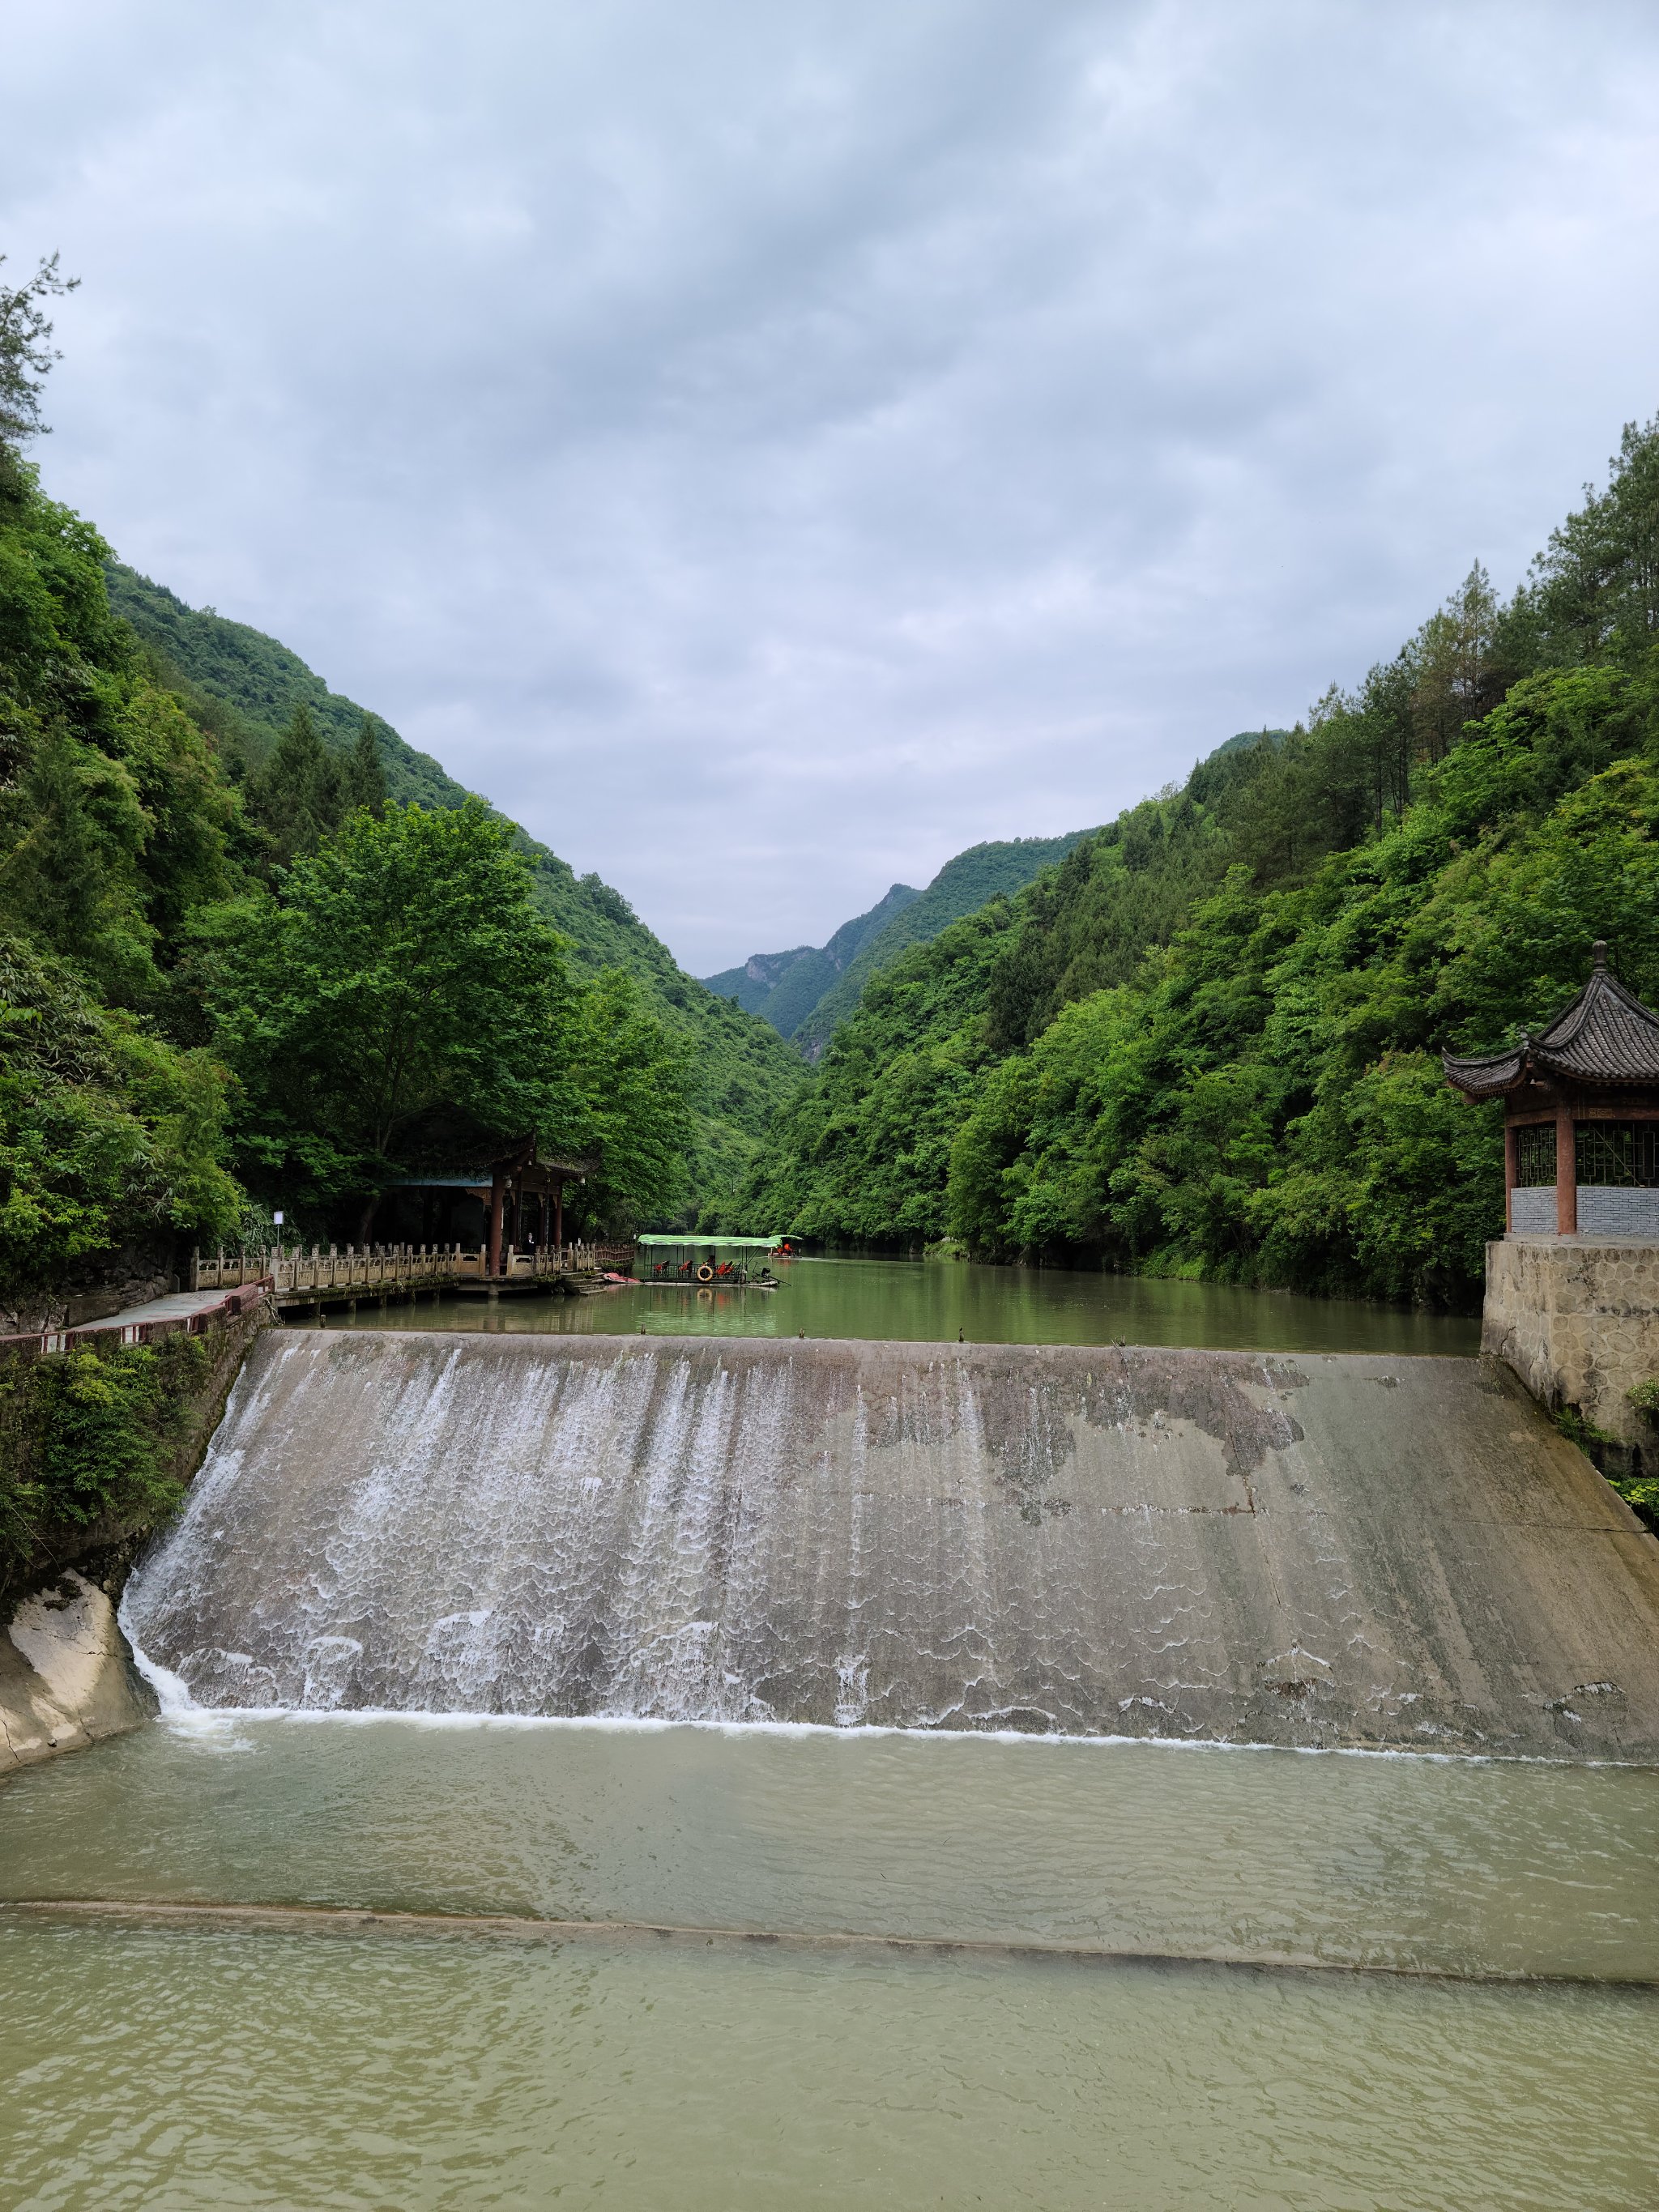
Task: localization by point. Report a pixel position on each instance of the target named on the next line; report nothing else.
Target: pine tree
(25, 353)
(365, 778)
(299, 795)
(1458, 676)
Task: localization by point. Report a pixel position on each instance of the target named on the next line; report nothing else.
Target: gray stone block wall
(1578, 1321)
(1532, 1210)
(1606, 1211)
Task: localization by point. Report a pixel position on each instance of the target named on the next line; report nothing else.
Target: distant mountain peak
(783, 988)
(803, 994)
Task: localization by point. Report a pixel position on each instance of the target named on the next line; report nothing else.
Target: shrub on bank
(92, 1436)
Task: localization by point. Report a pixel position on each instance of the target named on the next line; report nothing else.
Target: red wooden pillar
(1508, 1174)
(497, 1197)
(1566, 1174)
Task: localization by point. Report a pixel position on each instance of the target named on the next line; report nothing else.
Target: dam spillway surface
(1317, 1551)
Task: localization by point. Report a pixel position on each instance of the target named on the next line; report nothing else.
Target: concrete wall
(1578, 1321)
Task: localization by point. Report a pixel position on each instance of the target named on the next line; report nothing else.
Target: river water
(890, 1970)
(311, 2065)
(933, 1302)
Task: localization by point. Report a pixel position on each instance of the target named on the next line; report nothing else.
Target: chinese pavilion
(519, 1191)
(1581, 1116)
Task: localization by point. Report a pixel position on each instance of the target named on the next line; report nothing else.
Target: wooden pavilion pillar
(1566, 1174)
(497, 1197)
(518, 1210)
(546, 1206)
(558, 1211)
(1508, 1174)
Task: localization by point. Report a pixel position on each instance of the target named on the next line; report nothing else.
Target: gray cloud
(769, 447)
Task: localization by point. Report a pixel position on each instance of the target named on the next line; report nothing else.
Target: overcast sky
(769, 445)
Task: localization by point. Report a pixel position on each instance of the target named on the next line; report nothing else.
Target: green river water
(931, 1301)
(1082, 1974)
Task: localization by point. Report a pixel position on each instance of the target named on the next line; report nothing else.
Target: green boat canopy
(764, 1244)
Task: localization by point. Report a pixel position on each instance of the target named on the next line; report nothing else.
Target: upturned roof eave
(1494, 1077)
(1605, 1036)
(1486, 1075)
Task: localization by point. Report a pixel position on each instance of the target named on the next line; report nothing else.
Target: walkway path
(179, 1304)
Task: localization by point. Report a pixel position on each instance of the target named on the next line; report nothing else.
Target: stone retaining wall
(1577, 1319)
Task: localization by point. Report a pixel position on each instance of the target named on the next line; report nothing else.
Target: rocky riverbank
(66, 1675)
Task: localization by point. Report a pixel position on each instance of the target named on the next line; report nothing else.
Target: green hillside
(243, 687)
(960, 886)
(1207, 1043)
(246, 687)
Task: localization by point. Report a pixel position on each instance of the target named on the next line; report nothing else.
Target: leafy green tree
(114, 818)
(1457, 670)
(69, 877)
(1392, 1182)
(636, 1085)
(1594, 589)
(401, 989)
(108, 1135)
(26, 354)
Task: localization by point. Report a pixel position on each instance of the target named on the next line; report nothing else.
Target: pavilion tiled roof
(1606, 1036)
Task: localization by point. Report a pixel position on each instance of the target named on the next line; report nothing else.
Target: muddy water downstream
(1084, 2045)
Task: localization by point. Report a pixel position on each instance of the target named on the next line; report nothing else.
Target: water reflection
(934, 1302)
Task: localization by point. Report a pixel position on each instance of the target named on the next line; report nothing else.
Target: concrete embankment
(1313, 1551)
(65, 1675)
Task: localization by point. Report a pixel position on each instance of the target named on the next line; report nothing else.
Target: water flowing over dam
(1309, 1550)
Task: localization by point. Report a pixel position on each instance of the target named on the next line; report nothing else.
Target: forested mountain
(961, 884)
(244, 690)
(783, 988)
(1207, 1042)
(805, 993)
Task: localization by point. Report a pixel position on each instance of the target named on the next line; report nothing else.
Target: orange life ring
(705, 1273)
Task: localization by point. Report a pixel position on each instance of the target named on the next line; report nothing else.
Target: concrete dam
(1317, 1551)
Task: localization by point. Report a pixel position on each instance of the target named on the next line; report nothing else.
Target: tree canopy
(26, 353)
(397, 988)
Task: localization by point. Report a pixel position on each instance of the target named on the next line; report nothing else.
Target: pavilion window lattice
(1534, 1155)
(1622, 1155)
